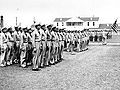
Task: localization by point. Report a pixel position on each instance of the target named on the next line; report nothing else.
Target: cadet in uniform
(23, 47)
(10, 44)
(49, 44)
(29, 48)
(17, 39)
(104, 38)
(53, 46)
(43, 37)
(36, 40)
(3, 37)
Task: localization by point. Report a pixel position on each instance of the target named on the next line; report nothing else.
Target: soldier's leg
(16, 56)
(8, 56)
(43, 54)
(52, 52)
(57, 57)
(59, 51)
(79, 45)
(3, 55)
(62, 48)
(23, 55)
(71, 47)
(36, 53)
(82, 42)
(29, 54)
(40, 62)
(47, 53)
(68, 46)
(11, 53)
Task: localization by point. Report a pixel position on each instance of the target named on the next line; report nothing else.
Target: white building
(77, 23)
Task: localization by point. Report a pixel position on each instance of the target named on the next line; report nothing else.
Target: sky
(45, 11)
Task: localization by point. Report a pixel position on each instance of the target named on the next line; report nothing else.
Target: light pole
(17, 16)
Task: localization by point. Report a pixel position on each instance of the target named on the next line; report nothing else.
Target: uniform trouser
(29, 53)
(87, 42)
(79, 45)
(71, 44)
(65, 44)
(17, 51)
(36, 55)
(68, 45)
(61, 43)
(52, 52)
(10, 52)
(23, 54)
(56, 50)
(3, 54)
(83, 45)
(42, 53)
(48, 52)
(104, 40)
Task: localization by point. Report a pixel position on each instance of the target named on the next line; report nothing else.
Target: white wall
(85, 25)
(91, 24)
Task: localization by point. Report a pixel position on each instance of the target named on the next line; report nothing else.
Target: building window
(80, 24)
(93, 23)
(62, 24)
(68, 23)
(57, 24)
(88, 23)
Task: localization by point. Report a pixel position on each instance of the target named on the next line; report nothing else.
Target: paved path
(115, 39)
(95, 69)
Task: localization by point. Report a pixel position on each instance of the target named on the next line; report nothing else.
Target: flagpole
(17, 16)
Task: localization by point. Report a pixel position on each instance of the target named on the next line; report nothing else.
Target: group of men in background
(39, 45)
(100, 36)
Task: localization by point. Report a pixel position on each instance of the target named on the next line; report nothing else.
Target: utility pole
(16, 21)
(34, 20)
(17, 16)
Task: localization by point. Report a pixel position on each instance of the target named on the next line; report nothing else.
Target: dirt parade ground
(98, 68)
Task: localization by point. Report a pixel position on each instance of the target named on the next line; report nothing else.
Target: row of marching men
(39, 46)
(100, 36)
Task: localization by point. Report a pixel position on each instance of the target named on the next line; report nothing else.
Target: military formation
(39, 46)
(100, 36)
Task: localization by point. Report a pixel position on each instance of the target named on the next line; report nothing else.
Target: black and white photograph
(59, 45)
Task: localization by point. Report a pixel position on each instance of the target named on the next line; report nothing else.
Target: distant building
(77, 23)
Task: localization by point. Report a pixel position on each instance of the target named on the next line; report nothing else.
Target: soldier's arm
(43, 33)
(21, 40)
(10, 37)
(33, 39)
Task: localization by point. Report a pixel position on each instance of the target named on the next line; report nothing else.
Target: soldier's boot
(2, 59)
(42, 63)
(52, 60)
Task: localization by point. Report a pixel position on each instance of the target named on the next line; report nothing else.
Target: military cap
(16, 28)
(10, 30)
(49, 26)
(30, 30)
(25, 29)
(37, 25)
(54, 28)
(42, 26)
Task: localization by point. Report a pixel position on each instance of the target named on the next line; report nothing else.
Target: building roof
(74, 19)
(61, 19)
(81, 18)
(105, 26)
(89, 18)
